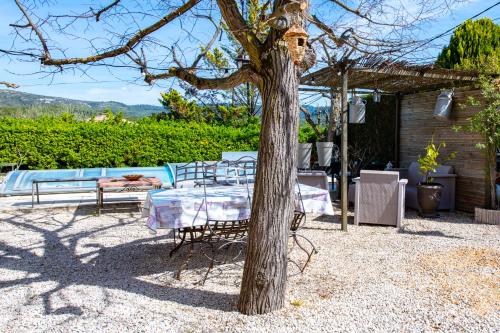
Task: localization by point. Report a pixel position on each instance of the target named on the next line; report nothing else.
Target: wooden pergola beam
(395, 77)
(322, 90)
(401, 72)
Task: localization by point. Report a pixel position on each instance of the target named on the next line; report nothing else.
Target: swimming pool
(19, 182)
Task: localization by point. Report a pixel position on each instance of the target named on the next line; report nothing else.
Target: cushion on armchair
(414, 175)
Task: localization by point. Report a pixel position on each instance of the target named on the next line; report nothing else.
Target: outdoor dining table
(184, 207)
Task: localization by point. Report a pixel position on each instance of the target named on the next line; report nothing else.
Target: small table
(124, 185)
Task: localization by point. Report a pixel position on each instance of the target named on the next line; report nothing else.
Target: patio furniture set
(210, 203)
(211, 206)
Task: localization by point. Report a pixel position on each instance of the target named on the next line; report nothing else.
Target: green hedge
(56, 142)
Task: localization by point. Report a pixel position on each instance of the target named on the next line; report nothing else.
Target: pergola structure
(395, 77)
(391, 77)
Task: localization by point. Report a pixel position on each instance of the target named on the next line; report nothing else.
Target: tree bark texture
(265, 272)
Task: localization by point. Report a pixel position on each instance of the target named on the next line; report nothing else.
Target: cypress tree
(473, 45)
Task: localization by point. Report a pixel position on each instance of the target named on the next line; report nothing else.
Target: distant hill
(21, 104)
(18, 99)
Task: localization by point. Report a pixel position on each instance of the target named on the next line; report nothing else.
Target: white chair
(379, 198)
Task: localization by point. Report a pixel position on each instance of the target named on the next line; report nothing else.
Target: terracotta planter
(304, 155)
(325, 151)
(429, 197)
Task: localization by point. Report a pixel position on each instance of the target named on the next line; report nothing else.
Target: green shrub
(62, 142)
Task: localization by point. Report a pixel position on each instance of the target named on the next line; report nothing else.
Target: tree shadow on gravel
(432, 233)
(117, 267)
(331, 222)
(455, 217)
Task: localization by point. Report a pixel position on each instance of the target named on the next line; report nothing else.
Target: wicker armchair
(380, 197)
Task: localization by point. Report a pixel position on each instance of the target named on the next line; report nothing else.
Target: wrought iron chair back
(200, 173)
(248, 164)
(248, 167)
(188, 173)
(298, 221)
(222, 173)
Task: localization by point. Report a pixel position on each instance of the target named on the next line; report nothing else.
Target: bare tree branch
(358, 13)
(340, 41)
(245, 74)
(46, 53)
(240, 30)
(104, 9)
(207, 48)
(9, 84)
(132, 42)
(311, 122)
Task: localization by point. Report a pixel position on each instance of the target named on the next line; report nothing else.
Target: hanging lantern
(357, 110)
(376, 96)
(296, 38)
(444, 103)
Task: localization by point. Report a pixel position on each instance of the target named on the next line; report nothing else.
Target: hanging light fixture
(376, 96)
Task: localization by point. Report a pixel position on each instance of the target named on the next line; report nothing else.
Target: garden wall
(417, 126)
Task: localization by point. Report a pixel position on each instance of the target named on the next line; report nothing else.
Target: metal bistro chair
(217, 234)
(198, 174)
(223, 173)
(298, 221)
(246, 165)
(191, 175)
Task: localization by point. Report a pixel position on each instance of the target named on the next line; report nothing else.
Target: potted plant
(304, 150)
(325, 152)
(304, 155)
(428, 192)
(323, 136)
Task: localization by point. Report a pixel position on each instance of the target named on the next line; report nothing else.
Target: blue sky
(105, 86)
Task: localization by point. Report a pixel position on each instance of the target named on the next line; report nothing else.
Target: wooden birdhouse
(296, 38)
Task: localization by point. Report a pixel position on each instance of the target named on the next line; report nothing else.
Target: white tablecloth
(184, 207)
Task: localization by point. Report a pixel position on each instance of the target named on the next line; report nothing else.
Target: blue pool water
(19, 182)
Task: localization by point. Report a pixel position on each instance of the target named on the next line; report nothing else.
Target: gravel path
(64, 270)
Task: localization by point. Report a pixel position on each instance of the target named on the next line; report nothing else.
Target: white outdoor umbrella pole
(344, 159)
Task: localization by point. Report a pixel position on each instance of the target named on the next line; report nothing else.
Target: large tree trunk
(264, 276)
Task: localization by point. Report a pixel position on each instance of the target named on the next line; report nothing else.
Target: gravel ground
(64, 270)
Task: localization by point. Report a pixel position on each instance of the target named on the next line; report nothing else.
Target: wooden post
(397, 128)
(344, 199)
